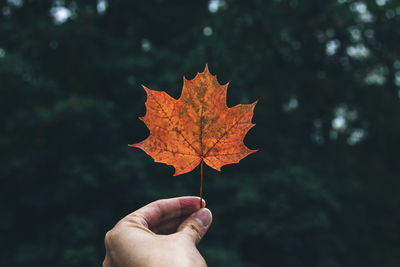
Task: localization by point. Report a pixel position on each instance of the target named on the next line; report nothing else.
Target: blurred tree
(322, 190)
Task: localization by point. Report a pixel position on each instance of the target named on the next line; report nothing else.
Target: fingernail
(203, 216)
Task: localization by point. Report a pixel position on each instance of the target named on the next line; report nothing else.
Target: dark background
(323, 190)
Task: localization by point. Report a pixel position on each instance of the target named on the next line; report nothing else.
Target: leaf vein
(169, 119)
(225, 133)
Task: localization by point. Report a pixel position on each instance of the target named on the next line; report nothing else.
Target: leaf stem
(201, 185)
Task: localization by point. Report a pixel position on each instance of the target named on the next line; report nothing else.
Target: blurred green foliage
(322, 191)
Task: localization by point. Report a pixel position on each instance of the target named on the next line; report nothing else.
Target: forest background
(323, 190)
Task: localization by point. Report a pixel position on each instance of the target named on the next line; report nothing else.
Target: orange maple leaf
(196, 128)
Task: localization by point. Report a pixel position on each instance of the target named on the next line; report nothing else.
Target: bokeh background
(323, 190)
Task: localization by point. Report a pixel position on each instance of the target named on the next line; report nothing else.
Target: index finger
(163, 210)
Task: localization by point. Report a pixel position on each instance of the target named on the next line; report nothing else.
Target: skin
(162, 233)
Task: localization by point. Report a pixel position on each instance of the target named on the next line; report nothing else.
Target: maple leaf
(198, 127)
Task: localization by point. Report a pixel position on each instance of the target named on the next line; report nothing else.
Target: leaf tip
(206, 70)
(176, 173)
(253, 151)
(145, 88)
(185, 81)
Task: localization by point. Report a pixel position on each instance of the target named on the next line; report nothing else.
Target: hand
(162, 233)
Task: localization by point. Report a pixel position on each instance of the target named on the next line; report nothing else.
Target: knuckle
(106, 262)
(138, 220)
(109, 238)
(194, 231)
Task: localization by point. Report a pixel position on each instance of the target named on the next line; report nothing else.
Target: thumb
(196, 225)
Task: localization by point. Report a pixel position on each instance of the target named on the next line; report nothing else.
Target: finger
(168, 227)
(196, 226)
(161, 211)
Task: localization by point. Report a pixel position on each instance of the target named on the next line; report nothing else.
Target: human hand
(162, 233)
